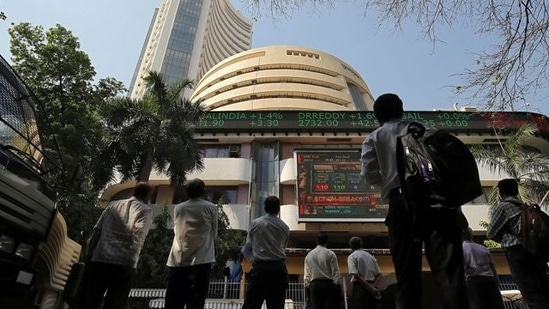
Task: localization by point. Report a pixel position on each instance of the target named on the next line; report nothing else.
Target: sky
(399, 61)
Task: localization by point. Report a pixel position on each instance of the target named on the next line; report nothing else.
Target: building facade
(269, 107)
(186, 38)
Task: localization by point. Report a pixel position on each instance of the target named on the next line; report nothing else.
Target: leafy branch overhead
(506, 72)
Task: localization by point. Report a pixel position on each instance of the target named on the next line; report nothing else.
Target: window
(222, 195)
(220, 150)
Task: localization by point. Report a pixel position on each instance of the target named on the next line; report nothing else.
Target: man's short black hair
(508, 186)
(142, 190)
(355, 243)
(272, 205)
(388, 106)
(196, 188)
(322, 239)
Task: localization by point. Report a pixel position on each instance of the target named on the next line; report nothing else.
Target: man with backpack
(413, 223)
(527, 269)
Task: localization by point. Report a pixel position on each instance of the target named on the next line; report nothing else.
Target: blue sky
(402, 61)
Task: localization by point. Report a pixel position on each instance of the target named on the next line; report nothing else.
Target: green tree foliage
(228, 243)
(152, 269)
(62, 77)
(513, 158)
(154, 132)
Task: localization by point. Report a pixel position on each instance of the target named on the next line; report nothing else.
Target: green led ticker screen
(330, 188)
(361, 120)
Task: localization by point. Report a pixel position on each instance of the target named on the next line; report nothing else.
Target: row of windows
(218, 195)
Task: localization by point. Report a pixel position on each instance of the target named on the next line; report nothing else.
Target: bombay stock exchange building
(186, 38)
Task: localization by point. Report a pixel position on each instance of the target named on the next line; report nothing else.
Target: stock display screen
(362, 120)
(330, 188)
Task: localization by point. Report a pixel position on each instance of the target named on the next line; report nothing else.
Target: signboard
(361, 120)
(330, 188)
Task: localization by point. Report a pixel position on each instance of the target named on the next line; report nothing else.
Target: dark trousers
(325, 294)
(530, 275)
(483, 293)
(116, 280)
(267, 281)
(187, 286)
(362, 299)
(439, 230)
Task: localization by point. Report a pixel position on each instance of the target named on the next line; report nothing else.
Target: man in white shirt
(322, 277)
(364, 270)
(115, 245)
(193, 250)
(266, 247)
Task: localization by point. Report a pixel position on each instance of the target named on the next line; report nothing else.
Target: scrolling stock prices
(363, 120)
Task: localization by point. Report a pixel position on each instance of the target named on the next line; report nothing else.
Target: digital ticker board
(330, 188)
(362, 120)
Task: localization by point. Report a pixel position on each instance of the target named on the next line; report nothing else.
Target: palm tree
(154, 132)
(514, 158)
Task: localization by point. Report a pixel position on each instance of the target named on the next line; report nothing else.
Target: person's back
(114, 249)
(120, 222)
(266, 247)
(364, 270)
(195, 222)
(480, 273)
(270, 237)
(321, 275)
(193, 249)
(411, 225)
(528, 270)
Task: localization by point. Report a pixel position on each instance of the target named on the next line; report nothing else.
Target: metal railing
(230, 290)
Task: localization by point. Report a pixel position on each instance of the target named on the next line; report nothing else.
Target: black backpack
(534, 229)
(436, 168)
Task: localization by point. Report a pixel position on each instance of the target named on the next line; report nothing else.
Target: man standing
(193, 250)
(528, 270)
(480, 275)
(321, 275)
(115, 245)
(412, 225)
(266, 248)
(364, 270)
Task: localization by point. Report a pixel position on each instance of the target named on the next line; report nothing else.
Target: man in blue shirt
(266, 247)
(480, 275)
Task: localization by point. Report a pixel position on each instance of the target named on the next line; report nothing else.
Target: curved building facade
(186, 38)
(280, 78)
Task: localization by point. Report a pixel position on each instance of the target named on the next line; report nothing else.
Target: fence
(218, 289)
(230, 290)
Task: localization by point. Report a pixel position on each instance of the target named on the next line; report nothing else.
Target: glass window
(222, 195)
(220, 151)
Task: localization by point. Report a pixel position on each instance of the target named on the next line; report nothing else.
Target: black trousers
(187, 286)
(439, 230)
(267, 281)
(483, 292)
(530, 274)
(116, 280)
(325, 294)
(362, 299)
